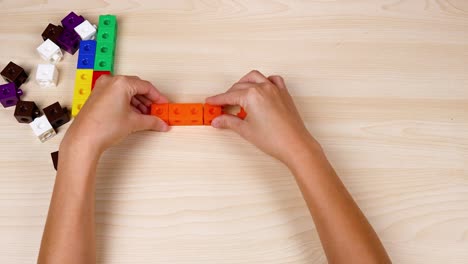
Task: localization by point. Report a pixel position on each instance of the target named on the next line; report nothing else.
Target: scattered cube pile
(96, 58)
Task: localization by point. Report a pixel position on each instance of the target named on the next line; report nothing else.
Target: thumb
(228, 121)
(149, 122)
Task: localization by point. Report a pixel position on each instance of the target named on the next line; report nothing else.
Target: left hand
(117, 107)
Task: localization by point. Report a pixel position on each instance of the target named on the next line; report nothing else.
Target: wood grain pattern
(383, 85)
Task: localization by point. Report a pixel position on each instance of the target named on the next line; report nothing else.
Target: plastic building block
(103, 63)
(185, 114)
(76, 107)
(88, 47)
(210, 112)
(86, 30)
(81, 94)
(9, 95)
(108, 21)
(106, 35)
(71, 21)
(50, 52)
(107, 28)
(14, 73)
(84, 76)
(52, 32)
(47, 75)
(69, 41)
(96, 75)
(161, 111)
(105, 49)
(83, 81)
(26, 111)
(42, 128)
(86, 54)
(55, 157)
(105, 52)
(57, 115)
(85, 62)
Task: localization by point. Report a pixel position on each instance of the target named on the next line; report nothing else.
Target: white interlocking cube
(42, 128)
(47, 75)
(86, 30)
(50, 52)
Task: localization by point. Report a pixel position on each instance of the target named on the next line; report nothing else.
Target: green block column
(106, 43)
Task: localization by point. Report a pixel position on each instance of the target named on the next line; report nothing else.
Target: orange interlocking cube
(161, 111)
(210, 112)
(185, 114)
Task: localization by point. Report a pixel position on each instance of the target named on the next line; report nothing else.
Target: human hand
(117, 107)
(273, 123)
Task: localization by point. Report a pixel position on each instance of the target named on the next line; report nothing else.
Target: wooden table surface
(383, 85)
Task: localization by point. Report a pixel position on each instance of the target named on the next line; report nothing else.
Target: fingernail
(215, 123)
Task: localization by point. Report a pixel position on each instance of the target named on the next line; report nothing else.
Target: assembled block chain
(189, 114)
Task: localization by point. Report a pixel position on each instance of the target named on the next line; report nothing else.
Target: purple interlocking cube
(9, 95)
(69, 41)
(71, 21)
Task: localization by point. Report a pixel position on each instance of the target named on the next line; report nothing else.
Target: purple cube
(9, 95)
(71, 21)
(69, 41)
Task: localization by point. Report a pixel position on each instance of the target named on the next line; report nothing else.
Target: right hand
(273, 123)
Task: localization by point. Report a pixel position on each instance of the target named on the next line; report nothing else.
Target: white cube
(86, 30)
(47, 75)
(50, 52)
(42, 128)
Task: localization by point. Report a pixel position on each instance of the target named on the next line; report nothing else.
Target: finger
(149, 122)
(227, 121)
(278, 81)
(135, 102)
(240, 86)
(136, 110)
(235, 97)
(254, 77)
(144, 100)
(139, 105)
(146, 89)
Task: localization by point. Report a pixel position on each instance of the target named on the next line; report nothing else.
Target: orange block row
(189, 114)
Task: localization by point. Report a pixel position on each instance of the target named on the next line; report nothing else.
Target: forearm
(69, 235)
(346, 235)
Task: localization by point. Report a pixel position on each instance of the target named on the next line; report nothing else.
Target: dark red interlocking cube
(57, 115)
(15, 74)
(55, 157)
(52, 32)
(26, 111)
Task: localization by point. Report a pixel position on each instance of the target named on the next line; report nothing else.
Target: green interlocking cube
(107, 28)
(105, 49)
(104, 63)
(106, 43)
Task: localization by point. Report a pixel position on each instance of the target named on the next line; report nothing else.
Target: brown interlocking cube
(52, 32)
(55, 157)
(15, 74)
(57, 115)
(26, 111)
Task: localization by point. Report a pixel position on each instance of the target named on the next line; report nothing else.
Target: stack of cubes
(190, 114)
(95, 58)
